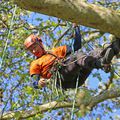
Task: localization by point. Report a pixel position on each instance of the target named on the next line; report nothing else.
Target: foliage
(18, 94)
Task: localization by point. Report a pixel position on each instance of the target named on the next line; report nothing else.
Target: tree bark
(89, 15)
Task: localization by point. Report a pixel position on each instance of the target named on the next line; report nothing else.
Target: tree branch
(76, 11)
(108, 94)
(93, 101)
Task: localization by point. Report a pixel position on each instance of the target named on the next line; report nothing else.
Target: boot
(116, 46)
(107, 55)
(104, 62)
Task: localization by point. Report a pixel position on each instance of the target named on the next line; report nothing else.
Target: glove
(35, 85)
(39, 84)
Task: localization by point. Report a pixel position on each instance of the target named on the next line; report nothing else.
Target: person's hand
(42, 82)
(107, 67)
(75, 25)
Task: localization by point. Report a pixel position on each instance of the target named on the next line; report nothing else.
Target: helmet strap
(37, 42)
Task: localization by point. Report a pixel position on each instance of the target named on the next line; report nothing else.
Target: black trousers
(80, 65)
(76, 66)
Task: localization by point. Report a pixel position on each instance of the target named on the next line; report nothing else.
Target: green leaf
(79, 114)
(29, 90)
(17, 115)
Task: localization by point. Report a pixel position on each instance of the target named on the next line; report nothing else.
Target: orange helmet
(34, 45)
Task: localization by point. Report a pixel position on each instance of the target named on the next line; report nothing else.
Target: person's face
(36, 49)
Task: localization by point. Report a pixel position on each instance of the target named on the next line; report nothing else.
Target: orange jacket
(43, 64)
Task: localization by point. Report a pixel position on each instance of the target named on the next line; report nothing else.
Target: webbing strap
(48, 52)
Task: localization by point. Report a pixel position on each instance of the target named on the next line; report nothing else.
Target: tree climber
(74, 66)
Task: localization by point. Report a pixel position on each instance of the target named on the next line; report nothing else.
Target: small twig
(110, 80)
(107, 85)
(9, 98)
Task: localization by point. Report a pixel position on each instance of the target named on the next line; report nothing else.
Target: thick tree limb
(108, 94)
(93, 101)
(90, 15)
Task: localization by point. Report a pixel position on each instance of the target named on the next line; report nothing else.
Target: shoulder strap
(48, 52)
